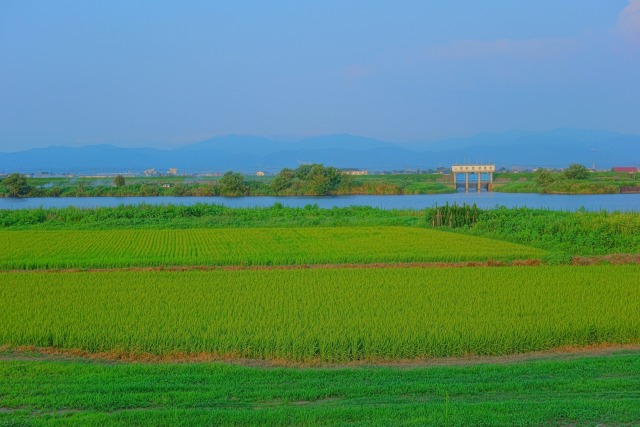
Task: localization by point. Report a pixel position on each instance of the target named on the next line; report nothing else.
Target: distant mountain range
(554, 149)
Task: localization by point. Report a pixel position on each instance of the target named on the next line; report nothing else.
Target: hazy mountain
(94, 158)
(235, 144)
(341, 141)
(246, 153)
(561, 137)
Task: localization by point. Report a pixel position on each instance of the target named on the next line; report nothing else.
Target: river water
(608, 202)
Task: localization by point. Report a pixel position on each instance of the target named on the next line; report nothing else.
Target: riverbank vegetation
(309, 180)
(571, 233)
(574, 180)
(306, 180)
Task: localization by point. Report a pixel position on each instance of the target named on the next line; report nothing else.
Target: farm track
(31, 353)
(614, 259)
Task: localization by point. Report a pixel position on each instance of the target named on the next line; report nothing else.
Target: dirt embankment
(32, 353)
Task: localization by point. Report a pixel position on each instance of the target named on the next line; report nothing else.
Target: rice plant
(329, 315)
(48, 249)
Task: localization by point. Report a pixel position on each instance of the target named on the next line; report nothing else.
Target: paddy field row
(335, 315)
(47, 249)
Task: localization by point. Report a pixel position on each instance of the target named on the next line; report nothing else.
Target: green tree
(318, 179)
(303, 171)
(150, 190)
(544, 177)
(119, 181)
(233, 184)
(16, 184)
(576, 171)
(322, 181)
(311, 179)
(283, 181)
(180, 190)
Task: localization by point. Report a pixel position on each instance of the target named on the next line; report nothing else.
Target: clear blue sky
(165, 73)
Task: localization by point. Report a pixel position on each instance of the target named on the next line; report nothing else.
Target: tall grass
(201, 215)
(585, 233)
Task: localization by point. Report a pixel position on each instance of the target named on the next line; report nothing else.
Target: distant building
(172, 171)
(625, 169)
(150, 172)
(355, 172)
(260, 173)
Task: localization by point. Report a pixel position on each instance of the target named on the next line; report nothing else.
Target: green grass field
(327, 314)
(311, 316)
(583, 391)
(257, 246)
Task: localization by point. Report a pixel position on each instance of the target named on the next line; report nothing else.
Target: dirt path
(30, 353)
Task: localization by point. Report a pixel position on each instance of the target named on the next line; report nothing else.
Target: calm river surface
(609, 202)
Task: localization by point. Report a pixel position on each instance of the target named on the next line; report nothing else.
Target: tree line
(307, 179)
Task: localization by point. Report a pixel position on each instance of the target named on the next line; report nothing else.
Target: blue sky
(165, 73)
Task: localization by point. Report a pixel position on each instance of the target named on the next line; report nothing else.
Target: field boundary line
(374, 265)
(32, 353)
(613, 259)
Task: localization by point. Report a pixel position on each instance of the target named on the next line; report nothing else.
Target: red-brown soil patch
(50, 353)
(613, 259)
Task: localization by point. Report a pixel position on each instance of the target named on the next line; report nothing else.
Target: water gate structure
(479, 176)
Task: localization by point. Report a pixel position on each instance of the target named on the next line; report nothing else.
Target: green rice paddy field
(48, 249)
(305, 318)
(333, 315)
